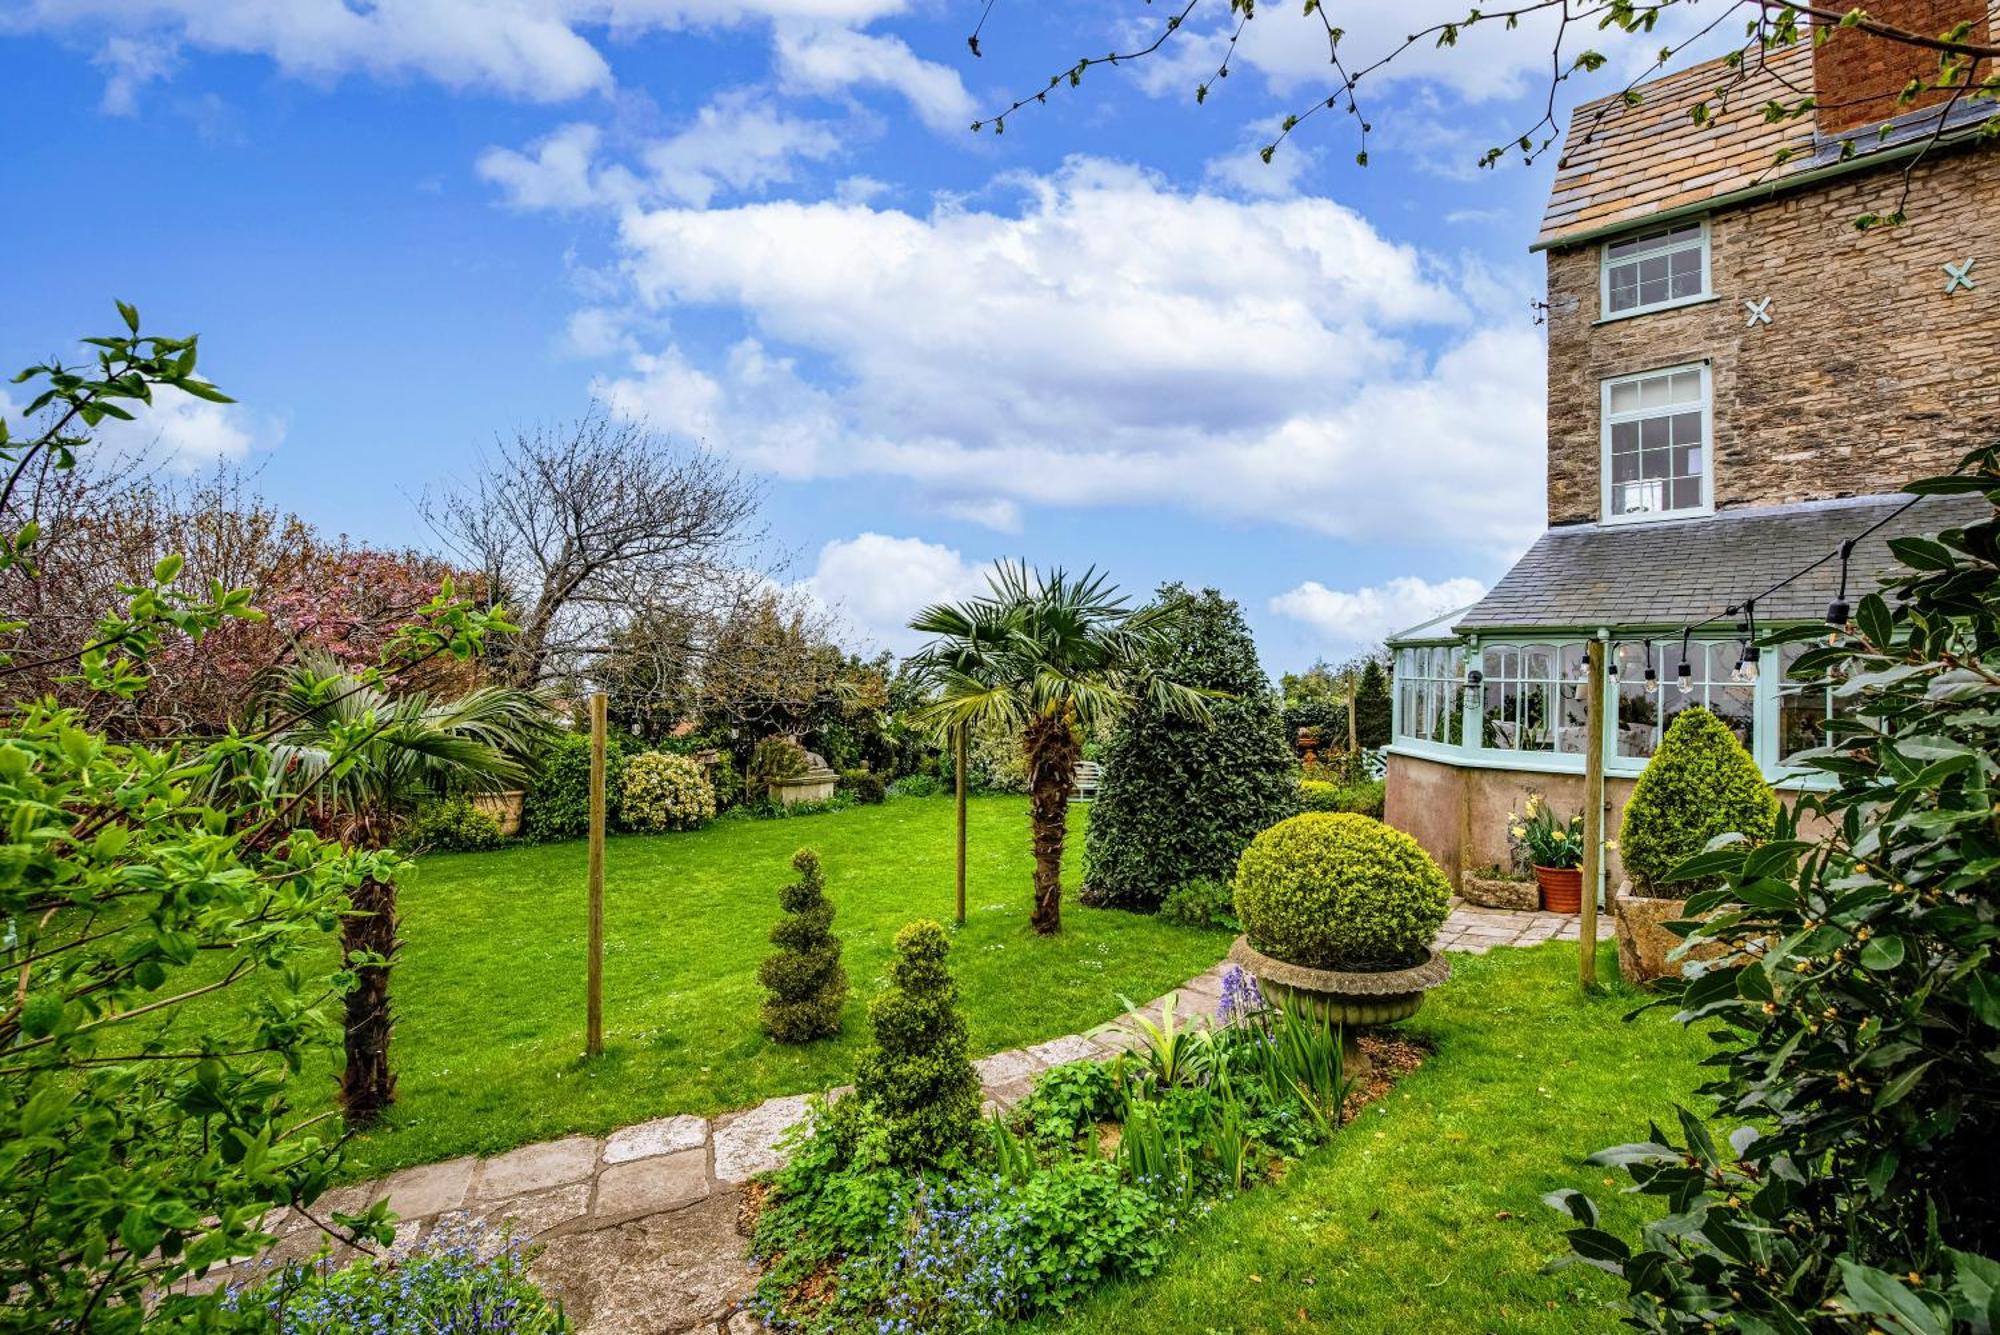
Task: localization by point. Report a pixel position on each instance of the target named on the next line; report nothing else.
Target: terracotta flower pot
(1562, 888)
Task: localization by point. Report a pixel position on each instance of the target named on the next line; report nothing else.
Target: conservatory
(1492, 700)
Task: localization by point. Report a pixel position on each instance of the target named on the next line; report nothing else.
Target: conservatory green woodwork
(1528, 711)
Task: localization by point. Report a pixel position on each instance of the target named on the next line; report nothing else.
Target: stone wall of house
(1868, 373)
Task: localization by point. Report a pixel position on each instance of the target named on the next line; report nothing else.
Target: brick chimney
(1858, 76)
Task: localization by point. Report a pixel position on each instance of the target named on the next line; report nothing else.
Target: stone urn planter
(503, 809)
(1645, 943)
(815, 785)
(1352, 1000)
(1562, 888)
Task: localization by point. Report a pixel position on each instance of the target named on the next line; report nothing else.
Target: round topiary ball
(1700, 783)
(665, 792)
(1332, 891)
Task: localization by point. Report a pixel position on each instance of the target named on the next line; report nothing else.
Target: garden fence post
(1593, 812)
(594, 1028)
(958, 784)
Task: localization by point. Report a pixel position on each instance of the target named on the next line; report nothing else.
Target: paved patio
(637, 1230)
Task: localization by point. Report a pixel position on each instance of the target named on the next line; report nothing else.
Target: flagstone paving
(638, 1231)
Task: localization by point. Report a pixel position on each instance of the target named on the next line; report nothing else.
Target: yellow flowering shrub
(664, 792)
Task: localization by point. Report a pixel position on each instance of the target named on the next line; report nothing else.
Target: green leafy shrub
(1204, 902)
(727, 780)
(866, 785)
(1340, 892)
(449, 825)
(658, 791)
(1700, 783)
(1070, 1099)
(918, 785)
(772, 759)
(918, 1075)
(994, 760)
(462, 1277)
(808, 986)
(1361, 799)
(1179, 798)
(1856, 1006)
(557, 805)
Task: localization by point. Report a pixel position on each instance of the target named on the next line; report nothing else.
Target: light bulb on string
(1684, 674)
(1838, 613)
(1652, 672)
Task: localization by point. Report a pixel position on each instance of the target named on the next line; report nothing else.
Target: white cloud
(1242, 170)
(1276, 360)
(130, 63)
(735, 143)
(1367, 616)
(187, 434)
(531, 49)
(831, 60)
(998, 514)
(877, 583)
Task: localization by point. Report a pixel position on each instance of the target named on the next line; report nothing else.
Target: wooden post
(1353, 728)
(1593, 813)
(594, 1025)
(958, 783)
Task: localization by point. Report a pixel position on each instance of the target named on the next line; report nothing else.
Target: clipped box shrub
(664, 792)
(449, 825)
(919, 1074)
(804, 976)
(1340, 891)
(1700, 783)
(1362, 799)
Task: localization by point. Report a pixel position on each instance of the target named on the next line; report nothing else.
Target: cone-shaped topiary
(1340, 891)
(807, 983)
(919, 1075)
(1699, 784)
(1180, 797)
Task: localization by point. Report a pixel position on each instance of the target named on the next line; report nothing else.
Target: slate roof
(1625, 163)
(1670, 572)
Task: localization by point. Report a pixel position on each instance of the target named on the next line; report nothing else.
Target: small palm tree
(1048, 656)
(362, 758)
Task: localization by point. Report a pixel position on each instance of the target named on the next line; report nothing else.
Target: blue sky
(1109, 336)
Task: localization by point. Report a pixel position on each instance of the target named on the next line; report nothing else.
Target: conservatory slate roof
(1668, 573)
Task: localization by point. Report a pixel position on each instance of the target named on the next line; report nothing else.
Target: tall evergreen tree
(1372, 706)
(1179, 798)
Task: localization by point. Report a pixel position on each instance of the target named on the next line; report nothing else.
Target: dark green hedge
(1179, 800)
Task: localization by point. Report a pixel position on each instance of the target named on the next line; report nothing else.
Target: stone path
(637, 1230)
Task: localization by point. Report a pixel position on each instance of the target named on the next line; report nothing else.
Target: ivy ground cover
(489, 991)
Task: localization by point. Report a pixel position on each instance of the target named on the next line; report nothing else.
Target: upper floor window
(1656, 429)
(1655, 269)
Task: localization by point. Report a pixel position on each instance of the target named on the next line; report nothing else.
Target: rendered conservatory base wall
(1459, 814)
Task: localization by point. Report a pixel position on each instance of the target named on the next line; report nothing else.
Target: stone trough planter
(815, 785)
(1354, 1001)
(1498, 892)
(1645, 944)
(504, 809)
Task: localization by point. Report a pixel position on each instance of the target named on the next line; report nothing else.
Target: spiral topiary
(808, 986)
(1340, 891)
(664, 792)
(919, 1074)
(1699, 784)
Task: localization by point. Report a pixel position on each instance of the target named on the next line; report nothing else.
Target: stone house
(1740, 380)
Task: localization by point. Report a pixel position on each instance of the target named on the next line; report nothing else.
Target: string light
(1611, 661)
(1746, 660)
(1684, 674)
(1652, 673)
(1838, 613)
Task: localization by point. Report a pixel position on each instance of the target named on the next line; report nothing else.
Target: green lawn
(489, 990)
(1425, 1213)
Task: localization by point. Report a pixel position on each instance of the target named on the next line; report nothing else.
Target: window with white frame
(1656, 428)
(1805, 708)
(1647, 709)
(1428, 681)
(1655, 269)
(1533, 697)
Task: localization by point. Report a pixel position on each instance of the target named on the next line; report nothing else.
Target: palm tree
(360, 758)
(1047, 656)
